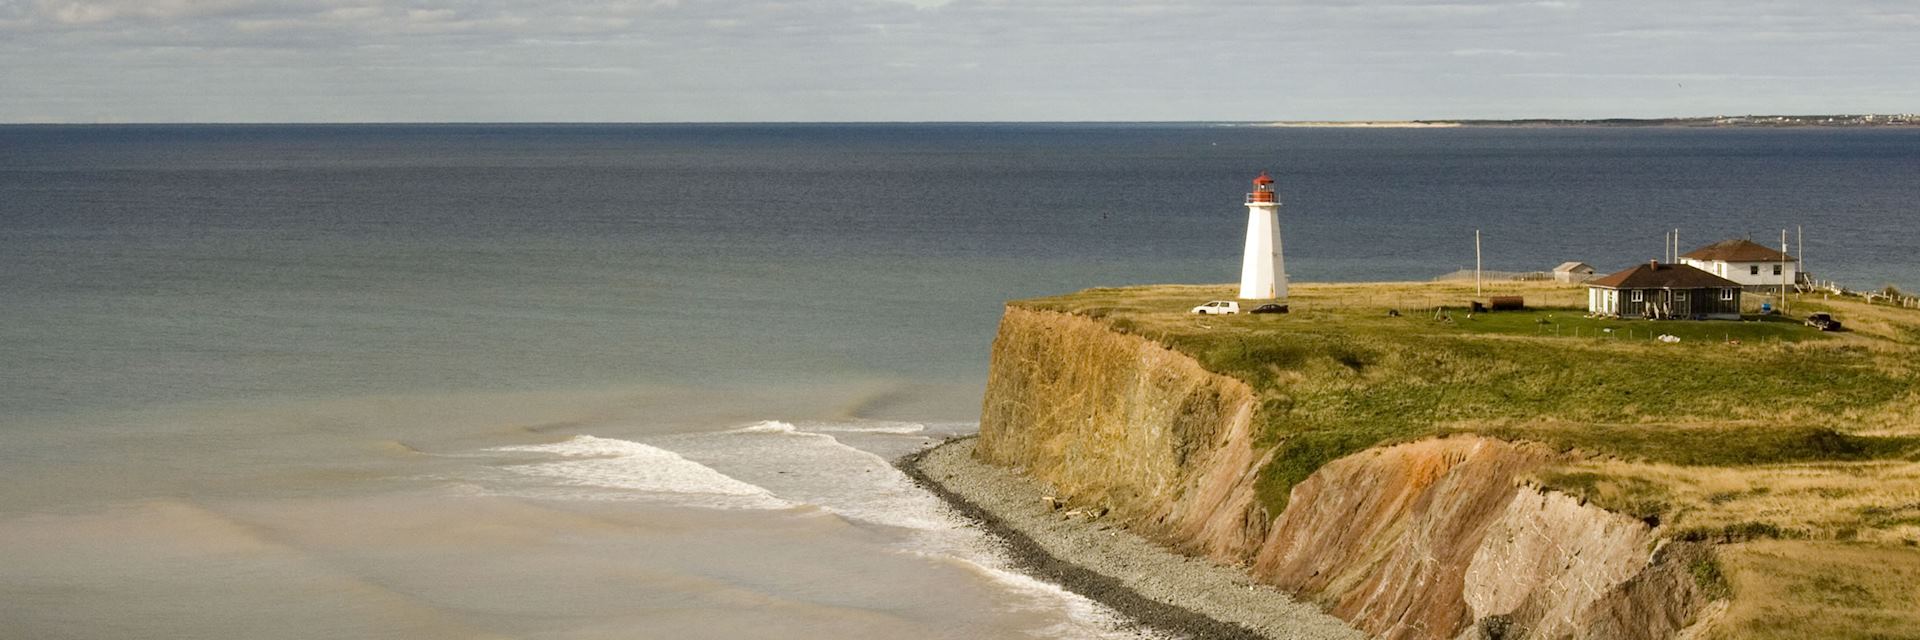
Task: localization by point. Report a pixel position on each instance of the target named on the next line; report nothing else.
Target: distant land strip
(1835, 120)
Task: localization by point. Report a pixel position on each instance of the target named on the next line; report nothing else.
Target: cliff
(1119, 422)
(1432, 538)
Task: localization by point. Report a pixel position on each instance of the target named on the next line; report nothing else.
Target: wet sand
(1160, 589)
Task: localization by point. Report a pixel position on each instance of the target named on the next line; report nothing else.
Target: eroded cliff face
(1385, 537)
(1428, 539)
(1120, 422)
(1548, 561)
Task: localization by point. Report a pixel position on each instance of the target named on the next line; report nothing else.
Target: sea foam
(619, 469)
(808, 463)
(768, 426)
(865, 426)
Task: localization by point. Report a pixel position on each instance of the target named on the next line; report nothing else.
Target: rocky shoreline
(1102, 561)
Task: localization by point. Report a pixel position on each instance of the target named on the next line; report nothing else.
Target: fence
(1876, 297)
(1750, 303)
(1418, 302)
(1889, 296)
(1467, 275)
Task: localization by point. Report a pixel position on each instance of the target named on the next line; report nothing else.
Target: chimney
(1655, 263)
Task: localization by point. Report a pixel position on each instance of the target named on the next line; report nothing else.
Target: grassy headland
(1340, 374)
(1786, 445)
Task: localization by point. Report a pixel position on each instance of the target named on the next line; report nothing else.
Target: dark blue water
(156, 264)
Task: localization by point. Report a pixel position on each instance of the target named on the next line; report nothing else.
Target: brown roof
(1737, 250)
(1654, 275)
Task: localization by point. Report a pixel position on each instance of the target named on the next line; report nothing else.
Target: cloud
(957, 59)
(1504, 53)
(87, 12)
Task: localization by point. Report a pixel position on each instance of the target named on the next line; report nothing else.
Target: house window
(1680, 296)
(1638, 295)
(1755, 270)
(1776, 269)
(1726, 295)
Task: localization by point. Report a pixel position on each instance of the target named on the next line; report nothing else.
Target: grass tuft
(1708, 576)
(1737, 532)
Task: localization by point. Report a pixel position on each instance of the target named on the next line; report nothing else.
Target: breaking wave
(609, 468)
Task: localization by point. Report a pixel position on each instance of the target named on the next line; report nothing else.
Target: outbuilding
(1660, 291)
(1573, 272)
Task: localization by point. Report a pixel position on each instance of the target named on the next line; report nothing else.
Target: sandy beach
(1160, 589)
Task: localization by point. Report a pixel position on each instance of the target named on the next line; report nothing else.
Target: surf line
(1029, 557)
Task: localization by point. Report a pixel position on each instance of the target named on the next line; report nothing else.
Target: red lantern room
(1262, 191)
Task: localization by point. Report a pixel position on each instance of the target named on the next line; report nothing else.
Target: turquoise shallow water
(265, 373)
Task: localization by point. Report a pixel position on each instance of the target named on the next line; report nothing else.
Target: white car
(1217, 308)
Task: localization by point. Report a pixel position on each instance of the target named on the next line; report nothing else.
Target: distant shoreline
(1848, 121)
(1365, 125)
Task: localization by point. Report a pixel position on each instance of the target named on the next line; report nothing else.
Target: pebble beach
(1175, 594)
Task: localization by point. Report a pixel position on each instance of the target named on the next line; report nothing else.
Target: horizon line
(923, 122)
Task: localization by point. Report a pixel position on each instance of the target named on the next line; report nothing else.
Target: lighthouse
(1263, 272)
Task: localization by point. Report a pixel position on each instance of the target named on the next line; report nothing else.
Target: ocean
(643, 381)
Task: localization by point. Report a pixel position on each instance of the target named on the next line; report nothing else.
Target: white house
(1749, 263)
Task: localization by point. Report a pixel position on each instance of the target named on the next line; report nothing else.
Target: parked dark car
(1270, 308)
(1821, 321)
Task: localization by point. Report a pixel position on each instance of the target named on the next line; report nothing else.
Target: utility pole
(1476, 263)
(1783, 271)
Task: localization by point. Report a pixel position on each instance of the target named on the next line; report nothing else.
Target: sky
(958, 60)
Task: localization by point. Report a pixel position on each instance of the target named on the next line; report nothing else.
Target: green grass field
(1573, 323)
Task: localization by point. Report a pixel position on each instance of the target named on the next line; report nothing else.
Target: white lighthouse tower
(1263, 272)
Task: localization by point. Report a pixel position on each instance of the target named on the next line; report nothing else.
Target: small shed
(1655, 290)
(1572, 272)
